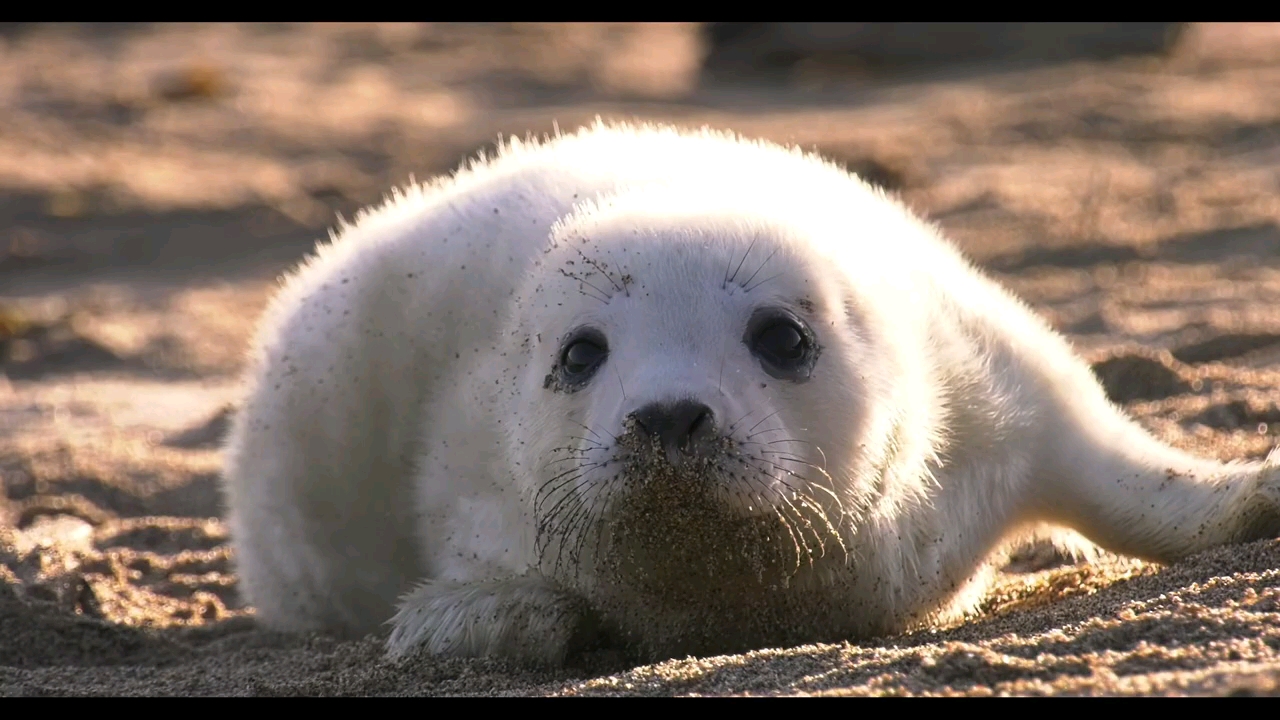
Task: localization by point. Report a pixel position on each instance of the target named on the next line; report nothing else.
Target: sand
(154, 180)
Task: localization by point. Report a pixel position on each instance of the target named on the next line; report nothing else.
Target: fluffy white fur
(406, 440)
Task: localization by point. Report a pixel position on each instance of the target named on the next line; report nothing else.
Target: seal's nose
(683, 428)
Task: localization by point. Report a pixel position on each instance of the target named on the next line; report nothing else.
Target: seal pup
(677, 391)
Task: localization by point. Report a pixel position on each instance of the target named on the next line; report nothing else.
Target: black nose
(683, 428)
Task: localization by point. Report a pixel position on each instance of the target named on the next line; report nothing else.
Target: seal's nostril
(680, 428)
(699, 422)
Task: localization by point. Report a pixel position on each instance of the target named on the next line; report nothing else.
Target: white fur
(403, 414)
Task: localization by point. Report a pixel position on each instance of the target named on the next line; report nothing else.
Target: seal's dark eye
(582, 357)
(781, 341)
(786, 347)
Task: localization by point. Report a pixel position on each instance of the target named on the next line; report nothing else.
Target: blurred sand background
(154, 180)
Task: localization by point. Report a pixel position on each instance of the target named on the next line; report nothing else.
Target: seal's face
(694, 398)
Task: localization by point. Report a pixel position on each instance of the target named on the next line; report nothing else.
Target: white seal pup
(678, 391)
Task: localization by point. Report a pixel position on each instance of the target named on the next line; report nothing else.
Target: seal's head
(697, 398)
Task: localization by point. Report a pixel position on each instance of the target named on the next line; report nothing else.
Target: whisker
(603, 296)
(549, 463)
(735, 422)
(832, 529)
(757, 272)
(723, 355)
(830, 491)
(762, 282)
(565, 496)
(562, 533)
(766, 417)
(804, 520)
(584, 427)
(599, 268)
(794, 542)
(797, 538)
(594, 433)
(744, 257)
(622, 277)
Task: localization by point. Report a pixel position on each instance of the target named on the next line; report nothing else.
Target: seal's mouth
(715, 514)
(671, 534)
(685, 485)
(709, 518)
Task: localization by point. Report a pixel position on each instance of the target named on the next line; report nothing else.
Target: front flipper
(522, 618)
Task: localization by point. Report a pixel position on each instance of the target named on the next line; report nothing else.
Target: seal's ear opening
(784, 344)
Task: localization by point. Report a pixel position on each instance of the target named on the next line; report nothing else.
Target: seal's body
(683, 391)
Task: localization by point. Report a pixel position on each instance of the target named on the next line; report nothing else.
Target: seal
(678, 392)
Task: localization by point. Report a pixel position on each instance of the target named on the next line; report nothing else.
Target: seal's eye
(783, 343)
(582, 357)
